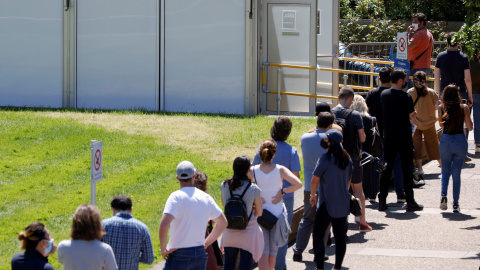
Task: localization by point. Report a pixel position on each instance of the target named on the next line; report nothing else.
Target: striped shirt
(129, 239)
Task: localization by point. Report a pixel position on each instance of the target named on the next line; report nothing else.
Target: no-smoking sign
(96, 168)
(402, 46)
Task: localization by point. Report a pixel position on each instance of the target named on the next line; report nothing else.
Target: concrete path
(429, 239)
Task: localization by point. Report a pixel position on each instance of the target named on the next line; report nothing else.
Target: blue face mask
(49, 248)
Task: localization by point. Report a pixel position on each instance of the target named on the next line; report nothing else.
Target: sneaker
(365, 228)
(419, 183)
(414, 206)
(382, 206)
(415, 175)
(467, 159)
(456, 208)
(401, 198)
(477, 148)
(443, 204)
(297, 257)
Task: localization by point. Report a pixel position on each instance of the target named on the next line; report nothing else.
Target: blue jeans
(476, 118)
(453, 149)
(192, 258)
(230, 259)
(281, 262)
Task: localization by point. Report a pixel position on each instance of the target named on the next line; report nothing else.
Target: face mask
(415, 26)
(324, 144)
(49, 247)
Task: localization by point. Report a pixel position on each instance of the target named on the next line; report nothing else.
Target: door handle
(68, 5)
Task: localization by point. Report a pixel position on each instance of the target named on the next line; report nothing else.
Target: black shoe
(414, 206)
(417, 184)
(311, 251)
(325, 258)
(382, 206)
(297, 257)
(329, 241)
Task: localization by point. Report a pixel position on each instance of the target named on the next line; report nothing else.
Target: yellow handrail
(367, 88)
(367, 60)
(302, 95)
(290, 66)
(349, 71)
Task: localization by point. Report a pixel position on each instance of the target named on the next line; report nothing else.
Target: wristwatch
(283, 192)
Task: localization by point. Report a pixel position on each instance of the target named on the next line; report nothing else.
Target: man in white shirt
(186, 214)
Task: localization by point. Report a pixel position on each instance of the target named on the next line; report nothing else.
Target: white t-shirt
(192, 209)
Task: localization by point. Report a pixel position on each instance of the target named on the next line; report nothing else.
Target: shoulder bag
(267, 220)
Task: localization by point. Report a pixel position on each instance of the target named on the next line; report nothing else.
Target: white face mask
(49, 247)
(415, 26)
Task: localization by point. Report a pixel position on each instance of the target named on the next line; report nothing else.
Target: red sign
(402, 44)
(97, 162)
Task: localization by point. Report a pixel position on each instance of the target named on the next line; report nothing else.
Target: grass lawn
(45, 163)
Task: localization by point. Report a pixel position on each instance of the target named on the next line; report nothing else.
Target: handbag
(355, 206)
(376, 145)
(267, 220)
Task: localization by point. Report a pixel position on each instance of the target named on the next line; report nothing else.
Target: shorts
(357, 174)
(269, 247)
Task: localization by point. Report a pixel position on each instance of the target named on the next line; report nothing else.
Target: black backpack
(236, 211)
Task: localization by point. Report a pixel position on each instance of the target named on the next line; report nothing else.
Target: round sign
(402, 45)
(97, 162)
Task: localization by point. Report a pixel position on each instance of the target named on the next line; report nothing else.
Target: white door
(288, 37)
(117, 54)
(31, 53)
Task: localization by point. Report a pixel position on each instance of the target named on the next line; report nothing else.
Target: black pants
(404, 147)
(322, 221)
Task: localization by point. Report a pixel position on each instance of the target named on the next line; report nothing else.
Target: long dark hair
(342, 158)
(241, 166)
(420, 83)
(451, 107)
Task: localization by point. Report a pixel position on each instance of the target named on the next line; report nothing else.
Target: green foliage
(469, 38)
(350, 30)
(473, 12)
(384, 31)
(436, 10)
(45, 163)
(370, 9)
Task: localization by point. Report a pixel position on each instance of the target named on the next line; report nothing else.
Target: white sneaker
(477, 148)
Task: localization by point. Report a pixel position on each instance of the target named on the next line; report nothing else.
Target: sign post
(96, 167)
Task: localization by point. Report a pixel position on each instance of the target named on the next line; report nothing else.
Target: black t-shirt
(354, 122)
(452, 65)
(375, 106)
(397, 106)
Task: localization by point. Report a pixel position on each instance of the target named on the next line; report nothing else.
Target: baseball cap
(333, 135)
(185, 170)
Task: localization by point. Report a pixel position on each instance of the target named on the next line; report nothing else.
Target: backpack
(349, 130)
(236, 211)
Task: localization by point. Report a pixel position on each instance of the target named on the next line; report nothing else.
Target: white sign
(97, 166)
(402, 46)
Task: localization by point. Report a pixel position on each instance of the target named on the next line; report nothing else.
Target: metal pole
(279, 73)
(92, 183)
(345, 79)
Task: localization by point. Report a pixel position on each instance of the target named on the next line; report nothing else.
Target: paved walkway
(430, 239)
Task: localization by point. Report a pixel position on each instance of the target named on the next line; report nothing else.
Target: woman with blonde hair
(425, 103)
(85, 250)
(269, 178)
(38, 245)
(369, 122)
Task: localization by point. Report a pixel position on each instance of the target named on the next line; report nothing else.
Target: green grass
(45, 163)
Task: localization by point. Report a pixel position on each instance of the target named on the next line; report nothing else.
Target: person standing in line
(420, 45)
(247, 243)
(312, 151)
(85, 250)
(333, 172)
(287, 156)
(398, 110)
(128, 237)
(453, 67)
(268, 176)
(186, 214)
(426, 106)
(453, 145)
(475, 74)
(354, 136)
(38, 245)
(369, 123)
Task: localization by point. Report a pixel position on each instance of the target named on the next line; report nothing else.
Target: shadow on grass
(457, 216)
(131, 111)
